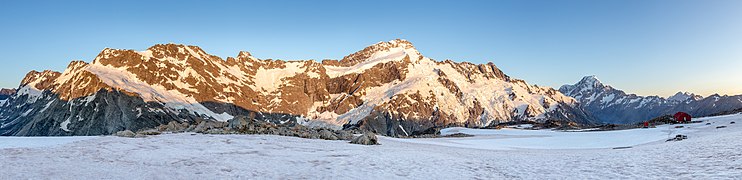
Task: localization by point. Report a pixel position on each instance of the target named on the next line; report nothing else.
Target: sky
(653, 47)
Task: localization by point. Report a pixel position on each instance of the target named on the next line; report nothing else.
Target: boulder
(149, 132)
(345, 135)
(367, 138)
(327, 135)
(207, 125)
(679, 137)
(459, 135)
(284, 131)
(174, 126)
(309, 134)
(435, 131)
(238, 123)
(126, 133)
(191, 128)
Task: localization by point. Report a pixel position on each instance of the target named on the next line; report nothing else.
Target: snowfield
(708, 153)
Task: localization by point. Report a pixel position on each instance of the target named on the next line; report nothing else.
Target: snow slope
(39, 142)
(510, 139)
(708, 153)
(120, 78)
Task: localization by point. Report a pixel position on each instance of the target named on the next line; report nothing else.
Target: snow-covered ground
(514, 139)
(708, 153)
(39, 142)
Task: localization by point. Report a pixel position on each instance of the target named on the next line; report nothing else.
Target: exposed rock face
(610, 105)
(6, 93)
(388, 88)
(104, 113)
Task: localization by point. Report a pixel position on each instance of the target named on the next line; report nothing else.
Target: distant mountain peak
(591, 80)
(5, 94)
(612, 105)
(586, 84)
(7, 91)
(683, 96)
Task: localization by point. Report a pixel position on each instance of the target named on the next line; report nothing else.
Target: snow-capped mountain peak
(379, 51)
(590, 83)
(612, 105)
(591, 80)
(587, 85)
(683, 96)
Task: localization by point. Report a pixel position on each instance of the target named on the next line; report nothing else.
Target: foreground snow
(513, 139)
(36, 142)
(709, 153)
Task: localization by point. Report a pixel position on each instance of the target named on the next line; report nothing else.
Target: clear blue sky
(645, 47)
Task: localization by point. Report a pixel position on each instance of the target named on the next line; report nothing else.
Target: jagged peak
(243, 58)
(7, 91)
(34, 77)
(77, 64)
(400, 43)
(244, 54)
(591, 79)
(586, 83)
(108, 53)
(367, 52)
(683, 96)
(173, 47)
(589, 83)
(396, 43)
(716, 95)
(168, 51)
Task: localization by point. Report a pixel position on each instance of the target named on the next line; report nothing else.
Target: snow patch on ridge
(64, 125)
(393, 54)
(493, 94)
(122, 79)
(270, 80)
(29, 89)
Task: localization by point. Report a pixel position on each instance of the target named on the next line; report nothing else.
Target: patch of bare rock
(244, 125)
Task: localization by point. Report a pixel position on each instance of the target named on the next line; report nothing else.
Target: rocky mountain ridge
(389, 88)
(610, 105)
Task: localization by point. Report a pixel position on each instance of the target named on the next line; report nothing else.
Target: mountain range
(610, 105)
(388, 88)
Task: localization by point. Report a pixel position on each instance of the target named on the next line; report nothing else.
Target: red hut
(682, 117)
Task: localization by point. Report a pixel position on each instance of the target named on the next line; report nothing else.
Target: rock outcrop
(6, 93)
(126, 133)
(367, 138)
